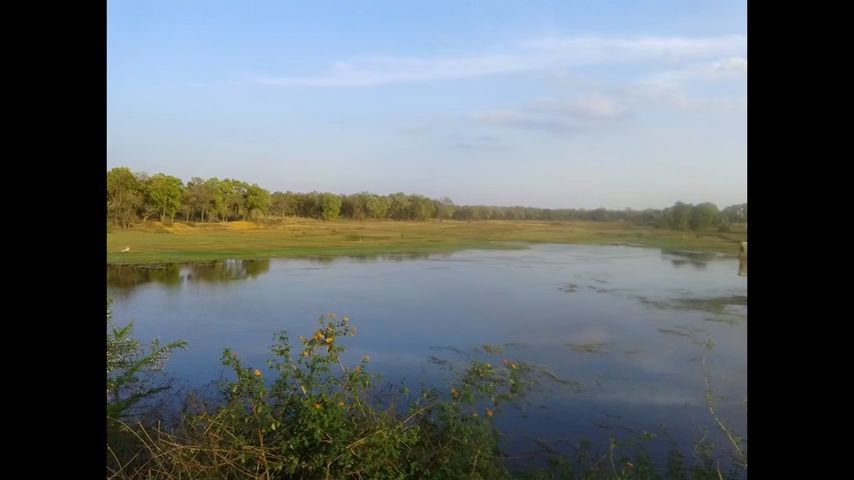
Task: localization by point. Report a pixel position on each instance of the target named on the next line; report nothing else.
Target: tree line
(137, 196)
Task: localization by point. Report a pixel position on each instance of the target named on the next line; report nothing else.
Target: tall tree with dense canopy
(165, 192)
(704, 216)
(329, 206)
(680, 214)
(124, 195)
(257, 201)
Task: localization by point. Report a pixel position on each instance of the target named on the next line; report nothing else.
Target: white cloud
(733, 68)
(559, 115)
(733, 64)
(546, 53)
(677, 98)
(586, 50)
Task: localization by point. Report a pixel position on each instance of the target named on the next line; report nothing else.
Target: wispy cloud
(539, 54)
(669, 88)
(558, 116)
(678, 98)
(479, 143)
(733, 68)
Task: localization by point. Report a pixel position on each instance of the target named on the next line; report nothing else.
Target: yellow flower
(257, 373)
(304, 354)
(341, 404)
(317, 406)
(328, 339)
(488, 412)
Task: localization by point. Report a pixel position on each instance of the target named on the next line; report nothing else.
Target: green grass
(156, 243)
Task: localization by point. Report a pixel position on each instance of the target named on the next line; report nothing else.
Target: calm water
(628, 324)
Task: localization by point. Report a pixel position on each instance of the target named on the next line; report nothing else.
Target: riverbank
(154, 242)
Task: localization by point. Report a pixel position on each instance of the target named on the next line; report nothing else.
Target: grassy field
(158, 243)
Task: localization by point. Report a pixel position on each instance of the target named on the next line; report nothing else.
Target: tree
(284, 204)
(735, 213)
(420, 208)
(680, 213)
(377, 207)
(234, 194)
(130, 368)
(704, 216)
(164, 192)
(124, 195)
(219, 191)
(197, 197)
(399, 208)
(257, 201)
(328, 206)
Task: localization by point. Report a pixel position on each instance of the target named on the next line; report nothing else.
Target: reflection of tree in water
(129, 276)
(126, 277)
(698, 265)
(227, 270)
(698, 260)
(398, 257)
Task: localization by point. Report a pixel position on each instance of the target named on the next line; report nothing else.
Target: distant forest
(137, 197)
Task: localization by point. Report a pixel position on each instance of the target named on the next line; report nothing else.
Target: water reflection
(397, 257)
(698, 260)
(127, 277)
(680, 262)
(227, 270)
(627, 324)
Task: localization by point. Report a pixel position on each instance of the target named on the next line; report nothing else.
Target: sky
(564, 104)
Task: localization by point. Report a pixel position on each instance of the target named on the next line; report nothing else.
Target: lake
(625, 327)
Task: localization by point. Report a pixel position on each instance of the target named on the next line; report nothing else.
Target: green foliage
(328, 206)
(131, 196)
(124, 196)
(317, 418)
(703, 216)
(130, 368)
(257, 201)
(680, 214)
(164, 194)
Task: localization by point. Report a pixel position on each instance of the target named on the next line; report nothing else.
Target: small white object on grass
(127, 249)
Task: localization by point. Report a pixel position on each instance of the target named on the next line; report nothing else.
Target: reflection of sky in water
(627, 323)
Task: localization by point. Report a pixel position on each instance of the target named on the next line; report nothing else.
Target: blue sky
(576, 104)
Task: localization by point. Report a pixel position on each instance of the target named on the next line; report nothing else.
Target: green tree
(704, 216)
(680, 214)
(377, 207)
(421, 208)
(234, 195)
(399, 206)
(197, 197)
(124, 195)
(284, 204)
(257, 201)
(164, 193)
(328, 206)
(735, 213)
(130, 369)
